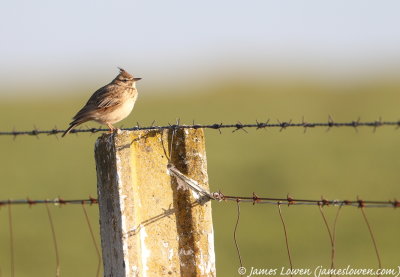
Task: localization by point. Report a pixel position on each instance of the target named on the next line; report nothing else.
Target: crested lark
(109, 104)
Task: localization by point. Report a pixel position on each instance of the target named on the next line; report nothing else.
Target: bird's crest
(124, 74)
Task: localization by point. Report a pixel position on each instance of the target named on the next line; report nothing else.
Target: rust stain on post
(151, 226)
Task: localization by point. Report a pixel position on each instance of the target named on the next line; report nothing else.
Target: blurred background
(212, 62)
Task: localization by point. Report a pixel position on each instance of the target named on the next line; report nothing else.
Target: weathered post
(149, 225)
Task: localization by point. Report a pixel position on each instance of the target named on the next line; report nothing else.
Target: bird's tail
(72, 125)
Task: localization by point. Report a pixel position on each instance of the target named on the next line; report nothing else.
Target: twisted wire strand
(218, 126)
(219, 196)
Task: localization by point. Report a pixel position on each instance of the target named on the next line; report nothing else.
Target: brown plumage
(109, 104)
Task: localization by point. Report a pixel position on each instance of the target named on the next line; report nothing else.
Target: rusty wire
(219, 196)
(235, 231)
(53, 234)
(290, 201)
(320, 204)
(282, 125)
(334, 236)
(58, 202)
(286, 238)
(93, 239)
(372, 238)
(55, 201)
(332, 241)
(11, 233)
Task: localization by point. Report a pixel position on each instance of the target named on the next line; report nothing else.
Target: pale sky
(165, 40)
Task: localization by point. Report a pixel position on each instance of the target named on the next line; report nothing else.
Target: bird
(109, 104)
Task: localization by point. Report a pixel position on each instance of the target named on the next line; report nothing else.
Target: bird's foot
(112, 129)
(115, 131)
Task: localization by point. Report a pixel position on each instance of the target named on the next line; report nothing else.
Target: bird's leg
(112, 128)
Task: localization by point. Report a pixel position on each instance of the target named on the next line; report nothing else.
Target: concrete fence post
(150, 225)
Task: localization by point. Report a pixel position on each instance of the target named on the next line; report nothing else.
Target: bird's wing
(104, 98)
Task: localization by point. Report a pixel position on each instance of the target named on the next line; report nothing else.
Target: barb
(286, 238)
(282, 125)
(234, 233)
(93, 239)
(372, 237)
(11, 241)
(53, 233)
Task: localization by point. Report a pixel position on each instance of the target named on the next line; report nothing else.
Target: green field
(339, 164)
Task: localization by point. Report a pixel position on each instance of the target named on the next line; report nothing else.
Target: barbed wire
(290, 201)
(321, 203)
(55, 201)
(282, 125)
(219, 196)
(204, 196)
(53, 230)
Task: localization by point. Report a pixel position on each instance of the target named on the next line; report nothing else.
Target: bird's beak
(137, 79)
